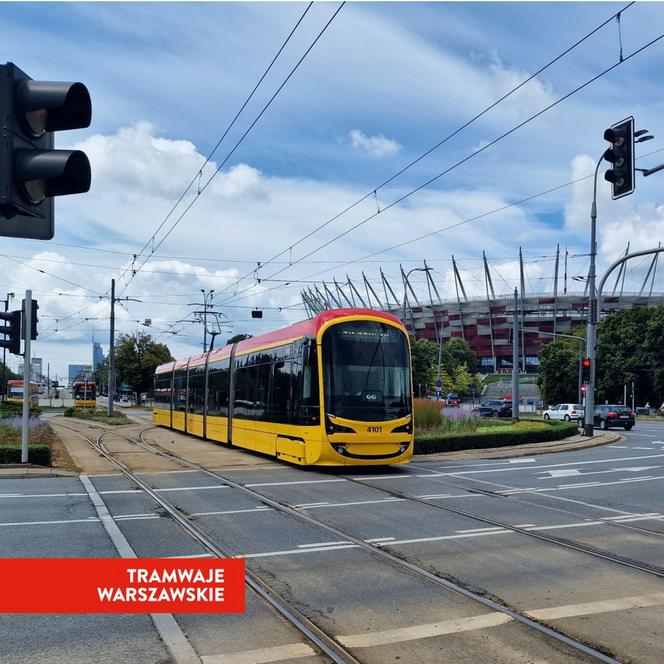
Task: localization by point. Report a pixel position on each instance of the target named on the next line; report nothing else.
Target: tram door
(195, 400)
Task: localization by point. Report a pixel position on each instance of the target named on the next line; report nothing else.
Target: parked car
(493, 409)
(613, 415)
(566, 412)
(452, 399)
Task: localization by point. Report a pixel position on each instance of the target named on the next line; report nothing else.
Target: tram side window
(260, 410)
(280, 393)
(218, 388)
(307, 405)
(180, 390)
(196, 389)
(162, 391)
(245, 389)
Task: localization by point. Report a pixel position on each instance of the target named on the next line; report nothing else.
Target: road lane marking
(319, 544)
(110, 492)
(400, 634)
(260, 508)
(262, 655)
(480, 530)
(552, 465)
(296, 482)
(40, 495)
(357, 502)
(487, 620)
(602, 606)
(575, 472)
(90, 519)
(181, 650)
(290, 552)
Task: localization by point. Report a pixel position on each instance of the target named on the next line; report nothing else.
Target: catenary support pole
(515, 359)
(111, 354)
(27, 375)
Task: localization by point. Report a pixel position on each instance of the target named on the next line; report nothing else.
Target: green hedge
(40, 455)
(496, 438)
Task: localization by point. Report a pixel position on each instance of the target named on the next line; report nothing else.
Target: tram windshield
(84, 391)
(366, 371)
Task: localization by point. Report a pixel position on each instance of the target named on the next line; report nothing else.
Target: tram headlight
(403, 448)
(340, 448)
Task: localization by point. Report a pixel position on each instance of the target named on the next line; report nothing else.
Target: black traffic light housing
(621, 155)
(12, 330)
(31, 170)
(585, 365)
(256, 313)
(33, 320)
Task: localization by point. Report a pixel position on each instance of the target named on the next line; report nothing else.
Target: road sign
(439, 384)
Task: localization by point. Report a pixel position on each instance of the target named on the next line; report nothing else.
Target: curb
(576, 443)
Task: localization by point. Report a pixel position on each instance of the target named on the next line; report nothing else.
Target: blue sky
(385, 83)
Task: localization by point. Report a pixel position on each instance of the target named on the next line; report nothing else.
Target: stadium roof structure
(485, 321)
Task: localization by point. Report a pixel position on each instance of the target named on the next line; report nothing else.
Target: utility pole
(48, 383)
(3, 387)
(515, 359)
(27, 375)
(111, 354)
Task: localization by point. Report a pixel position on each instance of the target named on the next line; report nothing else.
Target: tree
(457, 352)
(238, 337)
(101, 376)
(463, 379)
(558, 378)
(136, 357)
(424, 356)
(629, 349)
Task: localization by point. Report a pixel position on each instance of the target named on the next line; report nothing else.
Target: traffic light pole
(27, 375)
(592, 313)
(111, 354)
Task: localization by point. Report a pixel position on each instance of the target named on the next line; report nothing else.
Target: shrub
(69, 412)
(38, 454)
(427, 413)
(534, 432)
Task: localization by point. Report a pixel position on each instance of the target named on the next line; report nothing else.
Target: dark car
(493, 409)
(613, 415)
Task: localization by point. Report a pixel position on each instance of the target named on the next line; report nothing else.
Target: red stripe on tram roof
(305, 328)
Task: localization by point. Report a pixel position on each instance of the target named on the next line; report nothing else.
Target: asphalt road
(448, 517)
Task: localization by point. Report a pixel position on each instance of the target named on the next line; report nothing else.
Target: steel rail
(382, 554)
(320, 639)
(513, 498)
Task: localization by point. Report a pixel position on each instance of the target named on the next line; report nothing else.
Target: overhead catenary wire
(223, 136)
(234, 148)
(468, 157)
(374, 190)
(447, 228)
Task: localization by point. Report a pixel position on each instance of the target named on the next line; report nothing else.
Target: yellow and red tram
(15, 391)
(333, 390)
(84, 393)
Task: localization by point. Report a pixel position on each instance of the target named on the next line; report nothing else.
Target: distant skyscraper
(77, 372)
(97, 355)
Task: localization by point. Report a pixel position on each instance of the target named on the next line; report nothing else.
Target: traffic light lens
(36, 121)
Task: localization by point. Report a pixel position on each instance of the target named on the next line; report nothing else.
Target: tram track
(377, 551)
(321, 641)
(510, 497)
(389, 557)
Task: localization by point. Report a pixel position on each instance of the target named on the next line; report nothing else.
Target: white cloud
(618, 222)
(374, 146)
(137, 162)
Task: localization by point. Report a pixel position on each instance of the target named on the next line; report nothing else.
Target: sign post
(27, 371)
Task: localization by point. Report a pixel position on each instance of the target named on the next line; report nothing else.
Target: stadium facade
(485, 322)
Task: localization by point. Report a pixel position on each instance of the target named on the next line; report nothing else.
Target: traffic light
(12, 330)
(256, 313)
(33, 319)
(32, 172)
(621, 155)
(585, 364)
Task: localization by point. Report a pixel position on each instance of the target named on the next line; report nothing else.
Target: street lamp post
(403, 307)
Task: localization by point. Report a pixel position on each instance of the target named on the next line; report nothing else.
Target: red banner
(121, 585)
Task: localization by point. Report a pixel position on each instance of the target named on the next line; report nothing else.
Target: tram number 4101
(374, 429)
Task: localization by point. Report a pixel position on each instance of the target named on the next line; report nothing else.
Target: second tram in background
(333, 390)
(84, 393)
(15, 393)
